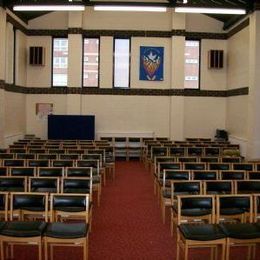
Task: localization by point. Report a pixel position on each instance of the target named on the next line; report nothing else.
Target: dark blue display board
(71, 127)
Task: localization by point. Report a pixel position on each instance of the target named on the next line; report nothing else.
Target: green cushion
(23, 228)
(204, 232)
(66, 230)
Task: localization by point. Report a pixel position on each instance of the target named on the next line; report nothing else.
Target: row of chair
(195, 217)
(222, 236)
(36, 219)
(169, 193)
(244, 166)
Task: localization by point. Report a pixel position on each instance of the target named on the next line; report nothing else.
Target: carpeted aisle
(128, 224)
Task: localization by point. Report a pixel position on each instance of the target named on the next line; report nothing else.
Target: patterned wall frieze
(54, 33)
(204, 93)
(206, 35)
(238, 92)
(15, 88)
(178, 33)
(75, 31)
(125, 92)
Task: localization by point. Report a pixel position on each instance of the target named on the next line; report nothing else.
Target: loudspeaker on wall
(37, 55)
(215, 59)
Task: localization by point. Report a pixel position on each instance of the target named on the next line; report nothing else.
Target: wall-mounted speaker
(216, 59)
(37, 56)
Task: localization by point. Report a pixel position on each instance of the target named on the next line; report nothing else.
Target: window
(60, 62)
(121, 63)
(90, 62)
(192, 64)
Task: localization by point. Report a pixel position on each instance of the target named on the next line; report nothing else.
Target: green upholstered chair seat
(195, 212)
(241, 230)
(66, 230)
(48, 190)
(205, 232)
(76, 190)
(12, 189)
(232, 211)
(33, 208)
(23, 228)
(70, 209)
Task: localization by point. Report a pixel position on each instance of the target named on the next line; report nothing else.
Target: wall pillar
(2, 75)
(176, 120)
(253, 149)
(74, 61)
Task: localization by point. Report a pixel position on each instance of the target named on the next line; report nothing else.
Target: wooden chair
(81, 185)
(200, 236)
(247, 186)
(13, 184)
(234, 208)
(218, 187)
(194, 166)
(204, 175)
(241, 234)
(232, 175)
(67, 233)
(24, 232)
(193, 209)
(22, 171)
(50, 172)
(46, 156)
(183, 188)
(44, 184)
(62, 163)
(38, 163)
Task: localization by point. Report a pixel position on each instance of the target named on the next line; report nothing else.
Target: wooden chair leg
(45, 250)
(163, 213)
(40, 250)
(2, 250)
(186, 252)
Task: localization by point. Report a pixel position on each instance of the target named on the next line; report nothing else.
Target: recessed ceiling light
(49, 8)
(209, 10)
(130, 8)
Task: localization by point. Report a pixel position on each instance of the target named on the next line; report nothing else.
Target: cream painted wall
(52, 20)
(106, 62)
(2, 117)
(213, 79)
(75, 60)
(128, 114)
(176, 118)
(9, 53)
(237, 113)
(98, 20)
(238, 60)
(15, 122)
(177, 62)
(39, 76)
(37, 126)
(2, 43)
(203, 115)
(21, 58)
(203, 23)
(136, 42)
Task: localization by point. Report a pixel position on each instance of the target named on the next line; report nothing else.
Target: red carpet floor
(128, 224)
